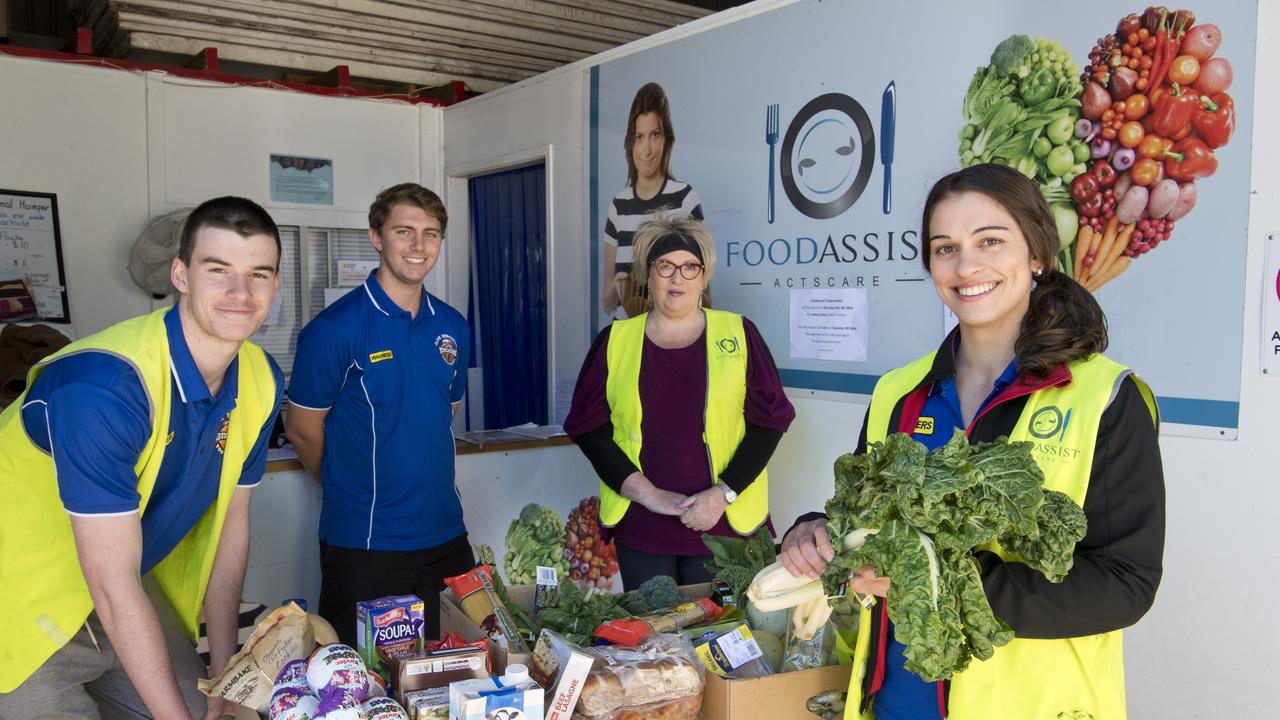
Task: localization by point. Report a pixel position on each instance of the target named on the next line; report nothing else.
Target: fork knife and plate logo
(828, 153)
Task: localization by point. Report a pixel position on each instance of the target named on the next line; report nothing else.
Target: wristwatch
(729, 494)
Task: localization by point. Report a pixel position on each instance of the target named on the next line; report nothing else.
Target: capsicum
(1190, 159)
(1215, 120)
(1174, 111)
(1037, 87)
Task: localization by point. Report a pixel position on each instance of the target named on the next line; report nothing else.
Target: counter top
(460, 448)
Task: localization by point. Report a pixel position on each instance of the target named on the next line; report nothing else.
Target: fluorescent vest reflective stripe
(1070, 678)
(43, 596)
(723, 423)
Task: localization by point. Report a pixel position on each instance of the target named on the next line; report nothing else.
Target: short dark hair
(650, 98)
(1064, 321)
(239, 215)
(406, 194)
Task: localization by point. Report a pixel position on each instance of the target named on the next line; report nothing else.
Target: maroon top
(673, 389)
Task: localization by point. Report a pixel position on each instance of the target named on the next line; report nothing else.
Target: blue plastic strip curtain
(509, 230)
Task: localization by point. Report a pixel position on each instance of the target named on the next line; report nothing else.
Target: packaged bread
(659, 679)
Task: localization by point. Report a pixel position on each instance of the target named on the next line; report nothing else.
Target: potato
(1164, 195)
(1186, 201)
(1132, 205)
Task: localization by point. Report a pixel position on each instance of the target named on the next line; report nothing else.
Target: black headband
(673, 242)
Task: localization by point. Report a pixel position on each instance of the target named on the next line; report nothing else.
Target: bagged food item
(337, 667)
(284, 634)
(387, 629)
(338, 704)
(630, 631)
(383, 708)
(307, 708)
(734, 654)
(285, 697)
(477, 598)
(513, 695)
(659, 679)
(807, 654)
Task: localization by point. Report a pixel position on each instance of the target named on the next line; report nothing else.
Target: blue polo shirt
(904, 696)
(388, 381)
(91, 413)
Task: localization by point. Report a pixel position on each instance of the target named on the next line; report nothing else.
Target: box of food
(439, 668)
(387, 629)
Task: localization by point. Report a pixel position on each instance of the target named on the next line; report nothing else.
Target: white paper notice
(354, 272)
(829, 324)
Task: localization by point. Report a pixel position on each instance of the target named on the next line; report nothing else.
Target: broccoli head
(1012, 54)
(660, 592)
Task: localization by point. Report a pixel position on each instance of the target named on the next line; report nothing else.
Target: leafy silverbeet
(928, 512)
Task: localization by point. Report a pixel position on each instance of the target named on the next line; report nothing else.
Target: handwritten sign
(31, 247)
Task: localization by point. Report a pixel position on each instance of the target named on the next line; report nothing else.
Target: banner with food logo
(807, 136)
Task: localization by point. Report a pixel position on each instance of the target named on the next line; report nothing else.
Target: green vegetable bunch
(577, 615)
(1021, 110)
(736, 561)
(916, 517)
(535, 538)
(659, 592)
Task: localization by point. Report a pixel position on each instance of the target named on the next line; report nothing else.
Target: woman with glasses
(678, 409)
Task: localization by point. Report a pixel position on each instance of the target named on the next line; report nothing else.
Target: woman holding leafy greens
(678, 410)
(1024, 362)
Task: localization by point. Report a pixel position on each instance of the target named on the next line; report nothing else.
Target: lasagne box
(775, 697)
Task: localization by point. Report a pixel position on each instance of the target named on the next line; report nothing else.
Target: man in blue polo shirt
(126, 469)
(376, 379)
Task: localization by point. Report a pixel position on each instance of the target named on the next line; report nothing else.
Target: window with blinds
(307, 269)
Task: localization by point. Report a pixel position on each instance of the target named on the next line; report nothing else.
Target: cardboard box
(776, 697)
(454, 620)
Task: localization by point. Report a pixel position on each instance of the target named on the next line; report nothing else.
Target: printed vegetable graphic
(1152, 106)
(917, 516)
(590, 558)
(534, 538)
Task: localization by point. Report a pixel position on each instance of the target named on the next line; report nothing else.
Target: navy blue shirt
(388, 381)
(903, 695)
(90, 411)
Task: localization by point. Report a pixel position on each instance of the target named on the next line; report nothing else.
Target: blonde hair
(662, 225)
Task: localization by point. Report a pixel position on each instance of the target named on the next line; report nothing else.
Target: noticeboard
(31, 248)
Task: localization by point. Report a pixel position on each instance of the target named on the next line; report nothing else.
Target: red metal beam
(85, 36)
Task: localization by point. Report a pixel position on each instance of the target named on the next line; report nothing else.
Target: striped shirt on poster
(628, 212)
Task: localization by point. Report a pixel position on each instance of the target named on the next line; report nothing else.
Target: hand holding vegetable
(865, 581)
(806, 550)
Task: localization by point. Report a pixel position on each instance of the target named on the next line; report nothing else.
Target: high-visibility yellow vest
(723, 423)
(43, 596)
(1080, 677)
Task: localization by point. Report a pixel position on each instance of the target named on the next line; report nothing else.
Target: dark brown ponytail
(1063, 322)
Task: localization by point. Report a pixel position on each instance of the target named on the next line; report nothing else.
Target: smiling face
(226, 291)
(648, 141)
(980, 262)
(409, 245)
(674, 297)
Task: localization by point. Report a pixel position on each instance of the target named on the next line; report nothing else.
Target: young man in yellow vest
(126, 469)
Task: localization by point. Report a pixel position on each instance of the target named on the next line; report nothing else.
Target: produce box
(776, 697)
(453, 619)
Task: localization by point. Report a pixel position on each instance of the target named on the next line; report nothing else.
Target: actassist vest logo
(728, 345)
(1049, 421)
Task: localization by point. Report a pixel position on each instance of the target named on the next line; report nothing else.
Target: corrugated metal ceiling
(421, 43)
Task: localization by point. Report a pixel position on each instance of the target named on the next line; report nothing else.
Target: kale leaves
(929, 512)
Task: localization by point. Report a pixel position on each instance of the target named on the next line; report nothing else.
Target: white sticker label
(547, 576)
(739, 647)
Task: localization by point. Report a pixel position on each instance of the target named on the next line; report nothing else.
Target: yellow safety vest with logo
(43, 596)
(723, 423)
(1079, 678)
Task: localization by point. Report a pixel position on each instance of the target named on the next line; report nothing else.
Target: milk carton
(388, 628)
